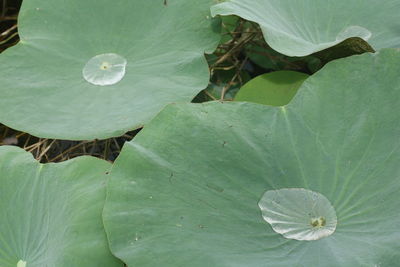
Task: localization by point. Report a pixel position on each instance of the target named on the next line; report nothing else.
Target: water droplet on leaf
(105, 69)
(21, 263)
(297, 213)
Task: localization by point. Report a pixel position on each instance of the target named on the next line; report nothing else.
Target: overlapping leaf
(275, 88)
(50, 215)
(43, 89)
(185, 191)
(303, 27)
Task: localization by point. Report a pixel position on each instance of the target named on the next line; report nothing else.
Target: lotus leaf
(191, 188)
(275, 88)
(50, 215)
(303, 27)
(95, 69)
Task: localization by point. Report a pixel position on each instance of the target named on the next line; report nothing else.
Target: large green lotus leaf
(275, 88)
(185, 191)
(302, 27)
(50, 215)
(43, 89)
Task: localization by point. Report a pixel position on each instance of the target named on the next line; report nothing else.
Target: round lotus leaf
(275, 88)
(193, 188)
(50, 215)
(95, 69)
(303, 27)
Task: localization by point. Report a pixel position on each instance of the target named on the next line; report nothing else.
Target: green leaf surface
(303, 27)
(275, 88)
(185, 191)
(43, 90)
(50, 215)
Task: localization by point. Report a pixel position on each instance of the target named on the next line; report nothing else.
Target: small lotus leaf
(275, 88)
(50, 215)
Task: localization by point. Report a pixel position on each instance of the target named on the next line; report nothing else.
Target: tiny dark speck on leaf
(215, 187)
(165, 3)
(107, 172)
(224, 143)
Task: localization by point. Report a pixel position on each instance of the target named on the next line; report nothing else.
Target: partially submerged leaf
(187, 190)
(50, 215)
(275, 88)
(303, 27)
(94, 69)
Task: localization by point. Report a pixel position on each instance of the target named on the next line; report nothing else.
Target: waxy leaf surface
(95, 69)
(50, 215)
(303, 27)
(186, 190)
